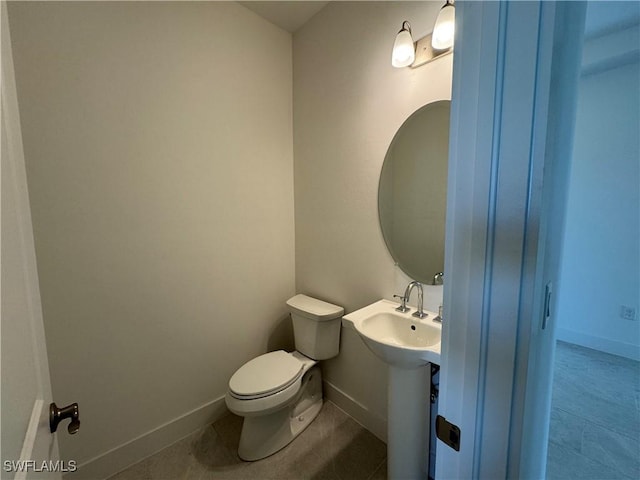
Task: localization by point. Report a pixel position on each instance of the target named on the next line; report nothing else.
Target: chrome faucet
(419, 313)
(437, 278)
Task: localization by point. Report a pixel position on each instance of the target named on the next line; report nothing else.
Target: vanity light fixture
(407, 53)
(404, 52)
(444, 28)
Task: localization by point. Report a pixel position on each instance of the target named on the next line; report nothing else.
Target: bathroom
(199, 166)
(168, 197)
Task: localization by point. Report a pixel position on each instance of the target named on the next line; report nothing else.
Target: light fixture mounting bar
(425, 53)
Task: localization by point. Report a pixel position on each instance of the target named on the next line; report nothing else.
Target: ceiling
(606, 17)
(602, 16)
(289, 16)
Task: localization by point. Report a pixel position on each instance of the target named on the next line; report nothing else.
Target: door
(512, 60)
(26, 389)
(536, 347)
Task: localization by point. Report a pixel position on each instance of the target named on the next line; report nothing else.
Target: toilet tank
(316, 326)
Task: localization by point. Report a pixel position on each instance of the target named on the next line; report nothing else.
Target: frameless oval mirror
(412, 194)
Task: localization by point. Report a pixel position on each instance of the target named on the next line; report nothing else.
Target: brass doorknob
(56, 415)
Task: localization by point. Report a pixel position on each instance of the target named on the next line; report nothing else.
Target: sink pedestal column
(408, 423)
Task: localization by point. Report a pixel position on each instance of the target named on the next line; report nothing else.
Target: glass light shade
(403, 50)
(444, 29)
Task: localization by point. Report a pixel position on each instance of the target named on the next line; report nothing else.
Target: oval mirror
(412, 194)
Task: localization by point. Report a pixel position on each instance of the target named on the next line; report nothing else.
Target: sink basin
(397, 338)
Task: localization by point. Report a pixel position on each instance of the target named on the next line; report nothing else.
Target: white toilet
(280, 393)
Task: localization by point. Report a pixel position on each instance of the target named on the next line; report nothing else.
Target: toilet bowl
(280, 393)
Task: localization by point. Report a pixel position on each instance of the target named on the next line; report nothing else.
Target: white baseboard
(129, 453)
(119, 458)
(613, 347)
(365, 417)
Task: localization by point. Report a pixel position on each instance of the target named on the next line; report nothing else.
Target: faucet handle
(403, 305)
(439, 317)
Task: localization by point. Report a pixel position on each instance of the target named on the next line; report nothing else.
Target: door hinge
(448, 432)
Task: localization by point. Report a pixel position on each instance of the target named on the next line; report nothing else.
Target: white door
(26, 389)
(536, 347)
(512, 61)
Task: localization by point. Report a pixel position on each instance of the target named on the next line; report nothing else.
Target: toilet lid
(266, 374)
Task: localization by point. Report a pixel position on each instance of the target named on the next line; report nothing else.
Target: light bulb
(403, 50)
(444, 29)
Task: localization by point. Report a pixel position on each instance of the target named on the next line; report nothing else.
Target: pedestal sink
(407, 345)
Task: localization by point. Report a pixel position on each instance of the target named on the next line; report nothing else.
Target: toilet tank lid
(314, 308)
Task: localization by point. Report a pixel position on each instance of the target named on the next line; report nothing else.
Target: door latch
(546, 310)
(448, 432)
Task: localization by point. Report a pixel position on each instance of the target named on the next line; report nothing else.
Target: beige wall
(348, 104)
(158, 144)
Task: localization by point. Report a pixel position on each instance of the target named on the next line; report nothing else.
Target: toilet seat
(266, 375)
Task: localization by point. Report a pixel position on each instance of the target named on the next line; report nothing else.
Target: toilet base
(264, 435)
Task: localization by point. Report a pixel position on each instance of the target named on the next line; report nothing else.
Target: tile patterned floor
(594, 435)
(333, 447)
(595, 416)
